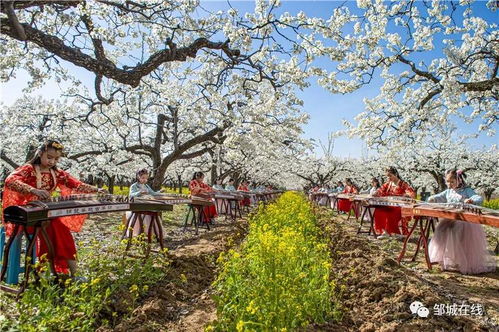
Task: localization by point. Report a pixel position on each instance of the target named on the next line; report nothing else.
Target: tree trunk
(110, 183)
(440, 181)
(213, 173)
(179, 178)
(488, 193)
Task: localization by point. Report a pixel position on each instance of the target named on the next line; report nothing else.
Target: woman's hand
(468, 201)
(102, 191)
(43, 194)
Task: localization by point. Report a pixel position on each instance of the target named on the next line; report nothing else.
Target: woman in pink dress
(459, 245)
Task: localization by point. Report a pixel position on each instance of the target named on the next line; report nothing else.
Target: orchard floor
(372, 290)
(377, 292)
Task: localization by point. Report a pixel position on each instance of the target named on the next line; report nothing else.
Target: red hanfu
(197, 188)
(388, 218)
(17, 192)
(246, 201)
(345, 205)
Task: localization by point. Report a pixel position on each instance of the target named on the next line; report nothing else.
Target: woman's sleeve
(17, 180)
(477, 199)
(409, 191)
(438, 198)
(194, 188)
(134, 191)
(152, 192)
(382, 190)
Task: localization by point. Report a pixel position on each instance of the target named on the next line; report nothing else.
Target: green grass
(492, 204)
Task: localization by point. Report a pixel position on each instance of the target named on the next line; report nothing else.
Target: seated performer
(340, 187)
(345, 205)
(138, 189)
(244, 187)
(218, 185)
(375, 185)
(230, 185)
(37, 180)
(201, 189)
(388, 218)
(459, 245)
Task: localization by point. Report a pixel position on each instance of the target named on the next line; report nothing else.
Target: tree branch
(105, 67)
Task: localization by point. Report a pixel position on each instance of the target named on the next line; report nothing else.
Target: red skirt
(245, 202)
(210, 212)
(389, 219)
(344, 205)
(63, 243)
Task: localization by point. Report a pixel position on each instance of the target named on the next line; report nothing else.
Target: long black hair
(50, 144)
(393, 170)
(378, 185)
(197, 175)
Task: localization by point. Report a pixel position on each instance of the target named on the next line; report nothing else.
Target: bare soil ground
(376, 292)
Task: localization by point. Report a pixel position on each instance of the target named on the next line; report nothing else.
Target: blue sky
(326, 110)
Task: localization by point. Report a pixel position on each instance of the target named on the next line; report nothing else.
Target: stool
(14, 267)
(197, 217)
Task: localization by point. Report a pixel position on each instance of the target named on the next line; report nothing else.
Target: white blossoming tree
(437, 61)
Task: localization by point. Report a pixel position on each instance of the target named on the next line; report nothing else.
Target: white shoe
(384, 236)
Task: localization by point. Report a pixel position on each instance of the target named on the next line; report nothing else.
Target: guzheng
(37, 211)
(247, 194)
(196, 200)
(179, 199)
(169, 199)
(353, 197)
(398, 201)
(456, 211)
(227, 195)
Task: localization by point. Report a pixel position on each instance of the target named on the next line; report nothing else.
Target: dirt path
(182, 300)
(375, 292)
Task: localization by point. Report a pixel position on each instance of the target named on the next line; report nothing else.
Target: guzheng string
(459, 207)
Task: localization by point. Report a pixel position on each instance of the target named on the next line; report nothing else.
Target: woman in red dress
(37, 180)
(244, 187)
(201, 189)
(345, 205)
(387, 219)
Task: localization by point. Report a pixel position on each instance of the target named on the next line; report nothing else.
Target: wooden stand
(39, 229)
(426, 224)
(197, 217)
(155, 226)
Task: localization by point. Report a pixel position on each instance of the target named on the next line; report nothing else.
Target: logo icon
(419, 309)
